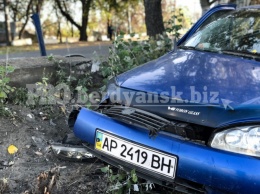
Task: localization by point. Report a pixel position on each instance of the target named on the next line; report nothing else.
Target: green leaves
(127, 54)
(120, 181)
(134, 176)
(3, 94)
(5, 89)
(175, 23)
(106, 169)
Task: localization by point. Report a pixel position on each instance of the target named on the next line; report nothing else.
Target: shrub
(127, 54)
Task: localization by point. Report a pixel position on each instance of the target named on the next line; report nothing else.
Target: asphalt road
(87, 51)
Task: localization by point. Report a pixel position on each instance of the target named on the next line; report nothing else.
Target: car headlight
(243, 140)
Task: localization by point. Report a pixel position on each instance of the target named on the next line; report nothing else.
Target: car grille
(138, 117)
(154, 123)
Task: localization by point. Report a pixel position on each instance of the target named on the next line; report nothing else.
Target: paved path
(85, 50)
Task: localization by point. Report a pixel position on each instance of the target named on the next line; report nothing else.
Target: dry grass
(3, 185)
(47, 180)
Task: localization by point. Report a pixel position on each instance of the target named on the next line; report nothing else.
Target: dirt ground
(34, 168)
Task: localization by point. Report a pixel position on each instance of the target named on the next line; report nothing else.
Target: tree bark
(84, 19)
(7, 24)
(153, 17)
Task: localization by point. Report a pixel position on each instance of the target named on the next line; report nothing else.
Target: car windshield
(236, 32)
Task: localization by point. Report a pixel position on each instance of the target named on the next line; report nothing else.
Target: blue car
(191, 118)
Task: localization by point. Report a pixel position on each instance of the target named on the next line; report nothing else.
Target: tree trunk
(59, 35)
(72, 30)
(26, 19)
(84, 20)
(129, 19)
(39, 5)
(153, 17)
(7, 23)
(205, 5)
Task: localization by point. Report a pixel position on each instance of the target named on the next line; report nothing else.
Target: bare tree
(27, 17)
(117, 10)
(59, 20)
(153, 17)
(86, 4)
(37, 6)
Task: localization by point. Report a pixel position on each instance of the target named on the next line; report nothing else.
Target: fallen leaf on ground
(52, 123)
(12, 149)
(38, 153)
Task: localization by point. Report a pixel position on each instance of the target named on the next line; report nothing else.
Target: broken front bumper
(214, 170)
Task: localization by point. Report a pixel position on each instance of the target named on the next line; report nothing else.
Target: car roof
(250, 7)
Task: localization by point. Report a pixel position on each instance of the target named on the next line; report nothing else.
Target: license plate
(138, 155)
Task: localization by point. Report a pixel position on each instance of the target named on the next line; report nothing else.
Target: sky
(193, 6)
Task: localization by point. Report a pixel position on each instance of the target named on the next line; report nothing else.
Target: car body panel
(229, 115)
(199, 82)
(188, 71)
(196, 163)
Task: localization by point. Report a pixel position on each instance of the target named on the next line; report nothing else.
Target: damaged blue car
(191, 118)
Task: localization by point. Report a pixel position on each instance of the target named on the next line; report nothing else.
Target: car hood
(202, 81)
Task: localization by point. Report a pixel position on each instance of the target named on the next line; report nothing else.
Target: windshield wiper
(242, 54)
(196, 48)
(187, 47)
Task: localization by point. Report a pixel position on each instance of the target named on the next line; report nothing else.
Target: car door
(208, 17)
